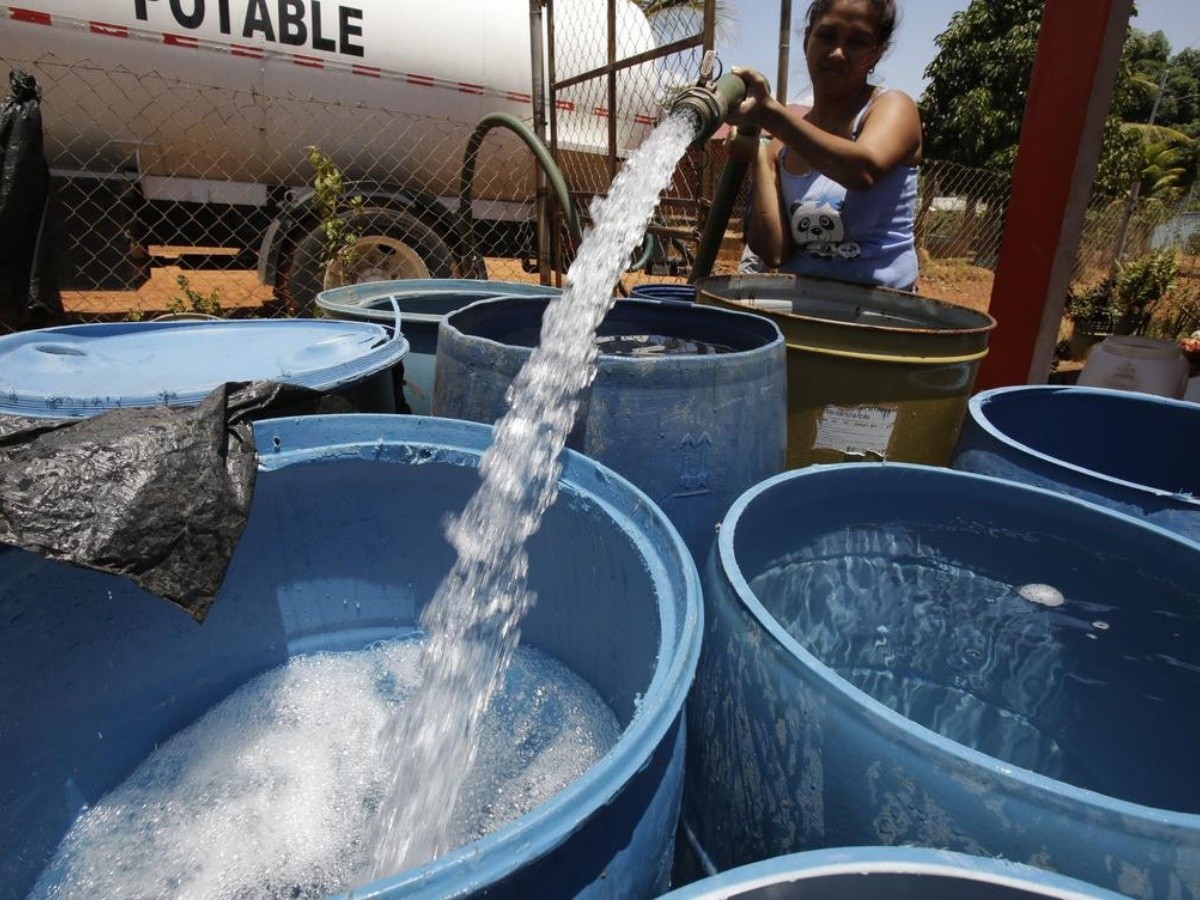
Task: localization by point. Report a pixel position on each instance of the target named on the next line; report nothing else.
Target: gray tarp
(157, 494)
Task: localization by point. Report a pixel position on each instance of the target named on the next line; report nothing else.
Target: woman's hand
(757, 102)
(743, 144)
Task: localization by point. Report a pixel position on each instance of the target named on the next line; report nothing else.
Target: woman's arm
(765, 230)
(890, 136)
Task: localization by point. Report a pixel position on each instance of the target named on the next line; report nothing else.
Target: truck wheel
(391, 245)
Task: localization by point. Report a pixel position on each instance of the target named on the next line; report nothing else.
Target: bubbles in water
(1044, 594)
(267, 794)
(659, 345)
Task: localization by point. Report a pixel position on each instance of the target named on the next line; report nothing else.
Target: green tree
(1121, 158)
(973, 105)
(1129, 135)
(1142, 59)
(1165, 168)
(978, 83)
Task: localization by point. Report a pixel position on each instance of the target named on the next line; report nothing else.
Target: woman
(835, 193)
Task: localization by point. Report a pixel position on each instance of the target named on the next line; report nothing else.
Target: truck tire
(391, 245)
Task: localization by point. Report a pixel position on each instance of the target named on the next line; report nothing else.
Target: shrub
(328, 196)
(193, 301)
(1124, 301)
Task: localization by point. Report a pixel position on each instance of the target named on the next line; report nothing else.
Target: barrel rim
(867, 860)
(622, 363)
(976, 409)
(914, 733)
(986, 325)
(387, 347)
(541, 830)
(358, 296)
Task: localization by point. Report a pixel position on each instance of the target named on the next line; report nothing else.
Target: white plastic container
(1127, 363)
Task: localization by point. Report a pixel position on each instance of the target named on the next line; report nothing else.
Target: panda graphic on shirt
(818, 229)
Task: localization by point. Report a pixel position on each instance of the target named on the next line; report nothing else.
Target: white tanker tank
(277, 76)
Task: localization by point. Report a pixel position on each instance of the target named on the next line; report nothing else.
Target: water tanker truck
(188, 121)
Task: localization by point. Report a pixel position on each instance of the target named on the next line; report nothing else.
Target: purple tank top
(859, 236)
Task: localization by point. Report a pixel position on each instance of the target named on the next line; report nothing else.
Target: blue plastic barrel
(886, 873)
(343, 548)
(680, 293)
(693, 431)
(1130, 451)
(76, 371)
(898, 654)
(423, 303)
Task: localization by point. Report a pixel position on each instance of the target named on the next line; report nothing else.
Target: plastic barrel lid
(425, 300)
(82, 370)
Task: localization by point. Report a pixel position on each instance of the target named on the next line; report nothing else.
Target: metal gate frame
(545, 122)
(548, 214)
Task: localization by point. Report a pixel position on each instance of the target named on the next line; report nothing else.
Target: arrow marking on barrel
(693, 480)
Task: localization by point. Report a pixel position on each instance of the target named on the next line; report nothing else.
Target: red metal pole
(1069, 95)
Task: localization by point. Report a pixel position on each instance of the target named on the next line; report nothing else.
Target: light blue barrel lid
(76, 371)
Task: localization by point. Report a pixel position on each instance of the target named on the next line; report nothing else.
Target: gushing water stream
(472, 623)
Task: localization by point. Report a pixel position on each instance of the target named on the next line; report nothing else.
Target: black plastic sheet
(157, 494)
(29, 296)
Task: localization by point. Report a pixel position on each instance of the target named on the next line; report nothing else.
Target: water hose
(717, 221)
(557, 183)
(709, 105)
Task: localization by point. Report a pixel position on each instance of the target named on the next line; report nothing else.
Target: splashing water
(266, 794)
(473, 620)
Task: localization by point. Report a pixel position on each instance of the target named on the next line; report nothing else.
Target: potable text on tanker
(295, 23)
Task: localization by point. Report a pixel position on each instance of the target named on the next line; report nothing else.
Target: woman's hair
(885, 13)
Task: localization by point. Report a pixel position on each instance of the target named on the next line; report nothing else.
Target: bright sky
(757, 42)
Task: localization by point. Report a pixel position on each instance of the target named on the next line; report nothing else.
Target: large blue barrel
(76, 371)
(886, 873)
(423, 303)
(343, 548)
(899, 654)
(691, 430)
(1130, 451)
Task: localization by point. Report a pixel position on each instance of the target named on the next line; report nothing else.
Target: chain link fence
(636, 66)
(961, 215)
(199, 194)
(960, 223)
(176, 196)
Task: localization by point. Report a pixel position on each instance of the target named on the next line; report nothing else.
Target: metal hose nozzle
(709, 104)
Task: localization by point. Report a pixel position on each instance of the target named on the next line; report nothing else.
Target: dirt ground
(956, 282)
(239, 292)
(952, 281)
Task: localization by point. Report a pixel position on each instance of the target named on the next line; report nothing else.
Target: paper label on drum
(857, 430)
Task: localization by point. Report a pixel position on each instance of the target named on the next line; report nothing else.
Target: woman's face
(843, 45)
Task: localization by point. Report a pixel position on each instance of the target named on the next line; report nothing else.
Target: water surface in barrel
(657, 345)
(268, 794)
(1091, 678)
